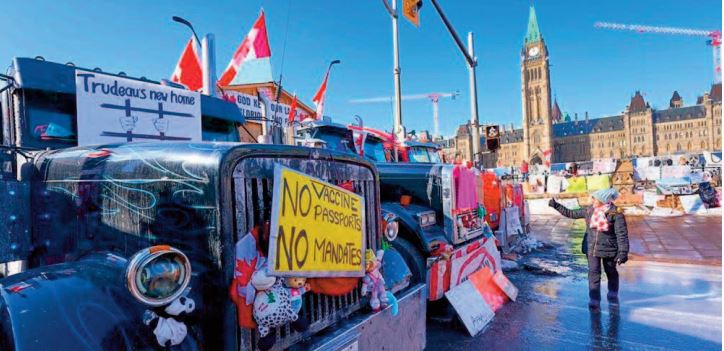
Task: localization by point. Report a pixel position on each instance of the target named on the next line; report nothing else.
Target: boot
(612, 297)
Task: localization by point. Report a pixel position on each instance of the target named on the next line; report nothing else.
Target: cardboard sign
(317, 228)
(485, 285)
(114, 109)
(504, 284)
(474, 312)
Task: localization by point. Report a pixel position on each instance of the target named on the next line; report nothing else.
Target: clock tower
(536, 94)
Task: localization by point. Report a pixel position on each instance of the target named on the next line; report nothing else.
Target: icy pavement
(664, 306)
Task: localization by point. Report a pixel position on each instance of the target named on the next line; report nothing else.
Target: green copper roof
(533, 33)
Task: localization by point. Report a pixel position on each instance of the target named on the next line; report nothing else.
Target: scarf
(598, 218)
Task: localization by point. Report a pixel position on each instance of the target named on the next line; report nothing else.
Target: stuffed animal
(272, 309)
(373, 282)
(168, 325)
(297, 287)
(242, 291)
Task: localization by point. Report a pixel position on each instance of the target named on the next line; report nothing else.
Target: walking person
(605, 242)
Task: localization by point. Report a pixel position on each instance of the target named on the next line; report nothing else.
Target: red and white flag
(188, 69)
(254, 52)
(319, 96)
(293, 110)
(547, 157)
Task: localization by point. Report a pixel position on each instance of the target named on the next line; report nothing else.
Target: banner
(317, 228)
(467, 260)
(251, 108)
(114, 109)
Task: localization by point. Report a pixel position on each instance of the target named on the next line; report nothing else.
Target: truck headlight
(158, 275)
(426, 218)
(391, 227)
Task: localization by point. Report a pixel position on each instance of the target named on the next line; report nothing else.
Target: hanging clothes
(576, 185)
(465, 188)
(514, 197)
(491, 198)
(598, 182)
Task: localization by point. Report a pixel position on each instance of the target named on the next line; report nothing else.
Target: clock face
(534, 51)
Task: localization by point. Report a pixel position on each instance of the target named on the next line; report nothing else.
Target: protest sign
(485, 285)
(474, 311)
(113, 109)
(251, 108)
(317, 228)
(504, 284)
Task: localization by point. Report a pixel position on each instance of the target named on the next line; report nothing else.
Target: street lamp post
(471, 60)
(398, 131)
(208, 58)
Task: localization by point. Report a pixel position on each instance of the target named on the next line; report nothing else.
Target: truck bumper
(381, 330)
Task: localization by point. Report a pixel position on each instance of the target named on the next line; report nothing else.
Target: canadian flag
(293, 110)
(318, 99)
(254, 47)
(188, 69)
(547, 157)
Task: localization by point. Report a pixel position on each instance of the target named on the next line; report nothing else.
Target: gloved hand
(621, 258)
(552, 203)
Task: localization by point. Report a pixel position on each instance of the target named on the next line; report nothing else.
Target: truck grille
(253, 184)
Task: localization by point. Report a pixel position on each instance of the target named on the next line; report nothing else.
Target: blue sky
(592, 70)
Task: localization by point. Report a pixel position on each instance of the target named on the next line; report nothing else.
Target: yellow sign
(317, 228)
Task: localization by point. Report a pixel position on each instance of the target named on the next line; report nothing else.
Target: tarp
(558, 167)
(576, 185)
(598, 182)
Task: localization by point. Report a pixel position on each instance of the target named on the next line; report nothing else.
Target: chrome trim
(428, 215)
(143, 257)
(391, 222)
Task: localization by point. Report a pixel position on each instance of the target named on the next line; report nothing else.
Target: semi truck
(107, 246)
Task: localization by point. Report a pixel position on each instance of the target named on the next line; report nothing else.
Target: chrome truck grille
(253, 184)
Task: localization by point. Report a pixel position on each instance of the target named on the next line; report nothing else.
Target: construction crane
(713, 35)
(433, 97)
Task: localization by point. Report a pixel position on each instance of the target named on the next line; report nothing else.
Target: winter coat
(610, 243)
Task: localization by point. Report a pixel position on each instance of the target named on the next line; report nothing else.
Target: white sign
(472, 308)
(113, 109)
(251, 108)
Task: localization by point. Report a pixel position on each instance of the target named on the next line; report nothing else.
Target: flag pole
(208, 65)
(399, 130)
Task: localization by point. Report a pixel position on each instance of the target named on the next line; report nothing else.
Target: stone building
(638, 131)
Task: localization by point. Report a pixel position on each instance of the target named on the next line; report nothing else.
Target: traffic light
(492, 138)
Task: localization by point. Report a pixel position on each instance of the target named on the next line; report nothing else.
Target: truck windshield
(419, 155)
(215, 129)
(334, 140)
(375, 151)
(422, 154)
(50, 120)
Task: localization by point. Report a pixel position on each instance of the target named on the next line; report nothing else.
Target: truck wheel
(413, 259)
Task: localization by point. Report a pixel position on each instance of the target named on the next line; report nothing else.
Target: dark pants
(594, 276)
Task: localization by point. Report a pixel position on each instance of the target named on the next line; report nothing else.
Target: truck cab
(439, 206)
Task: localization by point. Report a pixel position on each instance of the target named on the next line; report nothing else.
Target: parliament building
(638, 131)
